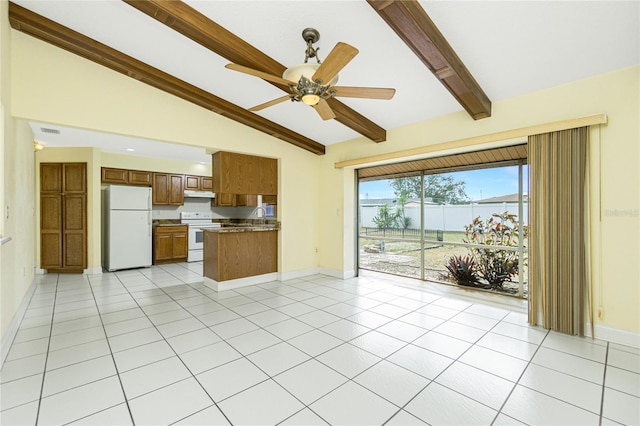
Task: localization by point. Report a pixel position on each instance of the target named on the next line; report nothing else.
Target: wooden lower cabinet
(232, 255)
(170, 244)
(63, 217)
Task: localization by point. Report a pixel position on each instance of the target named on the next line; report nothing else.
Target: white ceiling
(510, 47)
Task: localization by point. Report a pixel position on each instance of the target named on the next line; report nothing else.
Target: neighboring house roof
(511, 198)
(427, 201)
(377, 201)
(371, 202)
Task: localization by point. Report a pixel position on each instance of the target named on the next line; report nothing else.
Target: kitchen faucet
(263, 218)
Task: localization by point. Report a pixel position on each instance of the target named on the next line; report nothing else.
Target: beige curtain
(558, 287)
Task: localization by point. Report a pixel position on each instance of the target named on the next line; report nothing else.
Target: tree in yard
(385, 218)
(440, 188)
(402, 221)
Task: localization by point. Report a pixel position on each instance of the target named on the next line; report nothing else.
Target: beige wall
(132, 162)
(615, 160)
(16, 194)
(72, 91)
(317, 201)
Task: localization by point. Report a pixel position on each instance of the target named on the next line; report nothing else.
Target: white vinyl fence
(445, 217)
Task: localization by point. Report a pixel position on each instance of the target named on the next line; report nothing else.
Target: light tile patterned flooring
(155, 346)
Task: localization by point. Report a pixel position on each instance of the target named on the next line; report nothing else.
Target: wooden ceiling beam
(58, 35)
(412, 24)
(192, 24)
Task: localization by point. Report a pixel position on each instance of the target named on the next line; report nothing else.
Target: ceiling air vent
(50, 131)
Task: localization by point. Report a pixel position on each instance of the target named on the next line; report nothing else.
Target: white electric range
(197, 221)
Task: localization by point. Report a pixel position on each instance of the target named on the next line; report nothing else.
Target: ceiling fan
(312, 83)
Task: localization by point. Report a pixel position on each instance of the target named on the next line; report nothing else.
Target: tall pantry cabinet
(63, 217)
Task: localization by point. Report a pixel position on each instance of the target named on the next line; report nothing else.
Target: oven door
(196, 238)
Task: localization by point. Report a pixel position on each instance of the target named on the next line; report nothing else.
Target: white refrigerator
(126, 227)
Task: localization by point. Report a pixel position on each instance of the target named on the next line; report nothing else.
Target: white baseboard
(614, 335)
(343, 275)
(300, 273)
(240, 282)
(12, 330)
(96, 270)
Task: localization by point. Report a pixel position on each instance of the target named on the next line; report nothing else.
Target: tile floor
(154, 346)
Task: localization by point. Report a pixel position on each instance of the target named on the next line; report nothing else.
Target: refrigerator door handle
(149, 222)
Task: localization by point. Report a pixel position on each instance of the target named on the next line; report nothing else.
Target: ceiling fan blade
(364, 92)
(324, 110)
(270, 103)
(260, 74)
(337, 59)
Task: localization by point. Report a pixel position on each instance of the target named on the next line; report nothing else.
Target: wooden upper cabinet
(109, 175)
(244, 174)
(192, 182)
(168, 189)
(226, 173)
(206, 183)
(268, 176)
(176, 190)
(198, 183)
(247, 200)
(125, 177)
(224, 199)
(138, 177)
(160, 188)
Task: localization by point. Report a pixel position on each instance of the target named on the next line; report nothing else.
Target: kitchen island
(238, 256)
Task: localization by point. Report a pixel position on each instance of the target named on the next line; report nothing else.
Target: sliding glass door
(465, 226)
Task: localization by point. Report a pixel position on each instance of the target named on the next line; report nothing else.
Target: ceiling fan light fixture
(294, 73)
(311, 99)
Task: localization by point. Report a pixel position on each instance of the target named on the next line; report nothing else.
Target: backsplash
(204, 205)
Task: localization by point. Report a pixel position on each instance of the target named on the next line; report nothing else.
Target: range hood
(188, 193)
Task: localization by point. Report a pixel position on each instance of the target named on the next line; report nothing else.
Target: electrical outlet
(316, 249)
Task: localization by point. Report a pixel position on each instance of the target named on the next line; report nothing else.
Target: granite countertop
(244, 228)
(166, 222)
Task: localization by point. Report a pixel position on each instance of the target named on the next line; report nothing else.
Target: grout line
(604, 378)
(518, 380)
(319, 289)
(44, 372)
(104, 330)
(179, 358)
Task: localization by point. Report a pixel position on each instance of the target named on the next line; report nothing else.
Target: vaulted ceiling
(440, 56)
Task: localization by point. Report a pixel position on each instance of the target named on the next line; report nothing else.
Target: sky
(479, 184)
